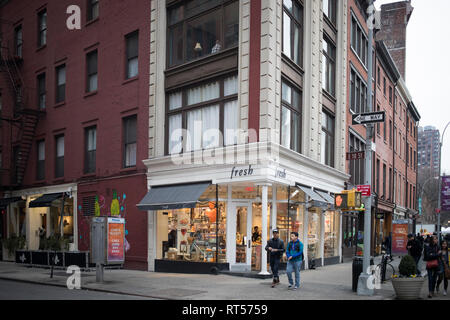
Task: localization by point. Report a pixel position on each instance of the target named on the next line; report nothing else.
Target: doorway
(241, 228)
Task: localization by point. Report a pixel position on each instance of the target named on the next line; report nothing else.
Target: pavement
(332, 282)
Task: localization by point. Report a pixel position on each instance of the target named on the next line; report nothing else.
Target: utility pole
(365, 277)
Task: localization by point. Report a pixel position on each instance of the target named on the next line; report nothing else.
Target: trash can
(357, 267)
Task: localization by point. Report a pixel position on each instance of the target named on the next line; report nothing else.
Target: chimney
(394, 20)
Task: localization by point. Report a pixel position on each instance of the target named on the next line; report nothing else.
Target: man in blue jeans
(294, 254)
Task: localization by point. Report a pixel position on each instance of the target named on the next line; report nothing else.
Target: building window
(358, 93)
(390, 133)
(328, 67)
(42, 31)
(132, 44)
(90, 151)
(291, 117)
(92, 10)
(41, 91)
(359, 41)
(59, 161)
(18, 40)
(293, 31)
(91, 68)
(390, 95)
(198, 28)
(357, 167)
(377, 181)
(40, 172)
(390, 184)
(384, 86)
(203, 111)
(61, 83)
(129, 139)
(329, 9)
(384, 131)
(379, 76)
(384, 181)
(327, 139)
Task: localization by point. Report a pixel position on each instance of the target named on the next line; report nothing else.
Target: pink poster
(399, 237)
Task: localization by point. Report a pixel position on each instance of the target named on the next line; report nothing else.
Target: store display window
(190, 234)
(314, 233)
(331, 241)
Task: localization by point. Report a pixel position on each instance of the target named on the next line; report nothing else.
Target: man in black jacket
(414, 250)
(276, 248)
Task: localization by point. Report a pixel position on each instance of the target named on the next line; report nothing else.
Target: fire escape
(24, 118)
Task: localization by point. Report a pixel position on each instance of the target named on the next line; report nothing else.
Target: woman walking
(443, 264)
(432, 256)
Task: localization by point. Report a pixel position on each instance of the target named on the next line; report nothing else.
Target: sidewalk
(328, 283)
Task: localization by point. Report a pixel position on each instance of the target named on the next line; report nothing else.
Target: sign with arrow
(371, 117)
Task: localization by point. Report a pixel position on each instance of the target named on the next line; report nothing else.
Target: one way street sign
(368, 117)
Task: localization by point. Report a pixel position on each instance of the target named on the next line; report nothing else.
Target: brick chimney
(394, 20)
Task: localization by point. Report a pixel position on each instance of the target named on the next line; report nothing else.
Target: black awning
(173, 197)
(45, 200)
(4, 202)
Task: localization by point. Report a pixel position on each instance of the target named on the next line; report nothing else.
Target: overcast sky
(428, 65)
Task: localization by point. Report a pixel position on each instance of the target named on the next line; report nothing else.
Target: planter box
(408, 288)
(46, 258)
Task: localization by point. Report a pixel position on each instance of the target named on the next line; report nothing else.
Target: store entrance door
(243, 243)
(349, 228)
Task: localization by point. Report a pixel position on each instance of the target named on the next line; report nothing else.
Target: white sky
(428, 66)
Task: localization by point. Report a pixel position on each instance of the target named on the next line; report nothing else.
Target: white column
(264, 230)
(322, 235)
(274, 208)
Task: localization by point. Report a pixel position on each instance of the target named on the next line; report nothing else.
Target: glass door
(243, 244)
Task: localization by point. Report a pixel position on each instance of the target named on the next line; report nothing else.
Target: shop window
(132, 53)
(60, 83)
(190, 234)
(291, 117)
(92, 71)
(199, 28)
(42, 96)
(205, 110)
(314, 234)
(129, 138)
(40, 171)
(90, 151)
(67, 218)
(293, 31)
(92, 10)
(59, 161)
(331, 241)
(42, 28)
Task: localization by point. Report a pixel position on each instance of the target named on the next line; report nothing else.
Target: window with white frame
(291, 116)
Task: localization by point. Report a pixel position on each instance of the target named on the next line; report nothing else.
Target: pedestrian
(414, 250)
(443, 264)
(431, 256)
(276, 248)
(294, 254)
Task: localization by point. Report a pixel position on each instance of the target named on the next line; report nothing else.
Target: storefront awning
(173, 196)
(45, 200)
(329, 199)
(312, 194)
(4, 202)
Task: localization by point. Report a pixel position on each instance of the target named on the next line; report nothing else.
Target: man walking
(294, 254)
(276, 248)
(414, 250)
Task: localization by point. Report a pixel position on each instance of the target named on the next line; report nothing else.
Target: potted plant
(408, 285)
(13, 243)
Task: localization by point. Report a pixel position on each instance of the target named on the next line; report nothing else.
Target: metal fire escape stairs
(26, 117)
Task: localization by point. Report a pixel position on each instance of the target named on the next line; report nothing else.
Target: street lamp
(440, 184)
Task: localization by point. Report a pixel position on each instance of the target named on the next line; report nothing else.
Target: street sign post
(371, 117)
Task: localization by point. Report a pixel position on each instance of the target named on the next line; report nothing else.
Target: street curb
(86, 289)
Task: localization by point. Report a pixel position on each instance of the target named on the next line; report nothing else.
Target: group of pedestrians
(436, 257)
(294, 255)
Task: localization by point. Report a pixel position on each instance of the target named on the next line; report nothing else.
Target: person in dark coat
(276, 248)
(432, 252)
(443, 264)
(414, 250)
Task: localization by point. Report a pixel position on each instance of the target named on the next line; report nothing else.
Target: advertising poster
(116, 239)
(445, 193)
(399, 236)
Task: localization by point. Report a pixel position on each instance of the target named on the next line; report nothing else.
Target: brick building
(74, 119)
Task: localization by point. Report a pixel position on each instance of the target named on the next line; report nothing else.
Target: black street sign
(368, 117)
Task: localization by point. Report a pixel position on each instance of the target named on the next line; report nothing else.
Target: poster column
(399, 236)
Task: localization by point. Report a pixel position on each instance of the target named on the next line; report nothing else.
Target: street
(14, 290)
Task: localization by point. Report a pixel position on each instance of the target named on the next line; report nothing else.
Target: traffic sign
(364, 189)
(356, 155)
(371, 117)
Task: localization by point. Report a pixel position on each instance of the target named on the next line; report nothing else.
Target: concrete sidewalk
(328, 283)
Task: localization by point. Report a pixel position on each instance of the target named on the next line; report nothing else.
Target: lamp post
(440, 184)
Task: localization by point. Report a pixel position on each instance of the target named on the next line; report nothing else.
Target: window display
(192, 233)
(331, 241)
(314, 234)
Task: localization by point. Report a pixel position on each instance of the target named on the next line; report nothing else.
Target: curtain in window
(175, 134)
(175, 100)
(231, 123)
(286, 127)
(60, 147)
(130, 155)
(92, 140)
(194, 130)
(203, 93)
(230, 86)
(287, 35)
(210, 127)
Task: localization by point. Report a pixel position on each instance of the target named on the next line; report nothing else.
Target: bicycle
(384, 269)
